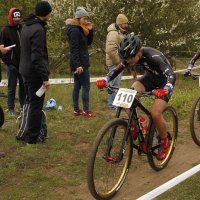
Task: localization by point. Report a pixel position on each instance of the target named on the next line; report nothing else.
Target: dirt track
(143, 179)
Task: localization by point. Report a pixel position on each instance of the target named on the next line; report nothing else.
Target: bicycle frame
(133, 117)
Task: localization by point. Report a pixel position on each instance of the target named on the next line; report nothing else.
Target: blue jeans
(114, 83)
(84, 81)
(13, 75)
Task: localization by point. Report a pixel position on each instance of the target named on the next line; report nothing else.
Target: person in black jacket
(80, 34)
(34, 69)
(3, 50)
(10, 35)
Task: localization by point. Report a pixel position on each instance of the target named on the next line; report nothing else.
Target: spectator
(34, 69)
(80, 34)
(10, 35)
(3, 50)
(116, 32)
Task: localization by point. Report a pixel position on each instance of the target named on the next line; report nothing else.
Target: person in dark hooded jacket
(34, 68)
(10, 35)
(3, 50)
(80, 34)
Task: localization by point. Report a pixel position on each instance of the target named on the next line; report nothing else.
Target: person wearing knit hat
(81, 12)
(35, 70)
(80, 33)
(116, 32)
(10, 35)
(42, 9)
(121, 19)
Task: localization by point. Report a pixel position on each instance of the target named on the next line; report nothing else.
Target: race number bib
(124, 98)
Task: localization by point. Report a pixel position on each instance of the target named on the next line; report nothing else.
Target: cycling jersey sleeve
(166, 69)
(115, 72)
(194, 58)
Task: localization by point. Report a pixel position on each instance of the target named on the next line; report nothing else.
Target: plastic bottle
(143, 124)
(59, 108)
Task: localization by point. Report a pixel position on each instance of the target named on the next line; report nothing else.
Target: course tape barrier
(56, 81)
(169, 184)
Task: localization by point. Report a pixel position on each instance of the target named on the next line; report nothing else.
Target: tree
(164, 24)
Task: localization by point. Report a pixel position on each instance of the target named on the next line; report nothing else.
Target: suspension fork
(112, 135)
(110, 142)
(111, 138)
(133, 116)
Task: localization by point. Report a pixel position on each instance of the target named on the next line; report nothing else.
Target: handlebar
(112, 89)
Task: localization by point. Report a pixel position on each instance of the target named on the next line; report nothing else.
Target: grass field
(55, 169)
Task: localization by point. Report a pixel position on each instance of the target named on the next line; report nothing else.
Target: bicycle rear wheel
(106, 172)
(195, 121)
(153, 144)
(1, 117)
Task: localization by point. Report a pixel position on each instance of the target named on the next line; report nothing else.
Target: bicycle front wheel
(153, 139)
(1, 117)
(195, 121)
(106, 172)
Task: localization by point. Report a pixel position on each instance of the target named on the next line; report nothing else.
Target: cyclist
(158, 74)
(188, 72)
(191, 63)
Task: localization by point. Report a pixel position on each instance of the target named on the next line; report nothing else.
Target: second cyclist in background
(192, 62)
(158, 76)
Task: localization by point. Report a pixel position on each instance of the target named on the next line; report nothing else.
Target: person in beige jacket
(116, 32)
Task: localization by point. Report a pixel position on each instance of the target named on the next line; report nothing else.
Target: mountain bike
(112, 151)
(195, 117)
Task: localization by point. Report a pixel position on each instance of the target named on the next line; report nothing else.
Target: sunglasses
(16, 14)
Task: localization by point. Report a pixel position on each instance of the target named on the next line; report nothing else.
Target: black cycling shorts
(152, 82)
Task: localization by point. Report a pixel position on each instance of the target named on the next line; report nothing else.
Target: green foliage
(171, 26)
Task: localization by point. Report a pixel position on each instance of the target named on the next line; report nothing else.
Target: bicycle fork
(115, 159)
